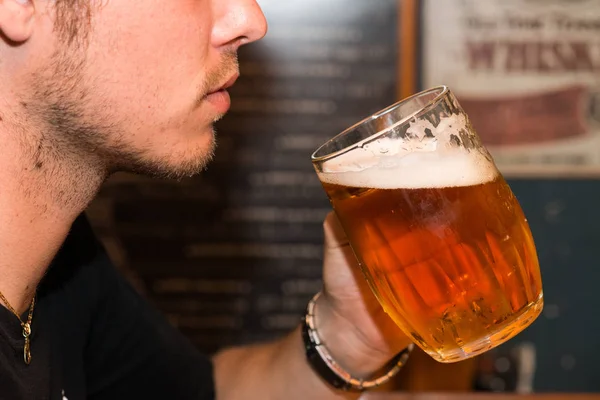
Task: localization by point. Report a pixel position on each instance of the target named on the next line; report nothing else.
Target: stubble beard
(80, 145)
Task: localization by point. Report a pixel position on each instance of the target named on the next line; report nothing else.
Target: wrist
(349, 346)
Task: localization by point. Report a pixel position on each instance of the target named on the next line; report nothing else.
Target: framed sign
(526, 71)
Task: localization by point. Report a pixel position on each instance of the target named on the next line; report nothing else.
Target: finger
(341, 262)
(335, 237)
(337, 247)
(339, 259)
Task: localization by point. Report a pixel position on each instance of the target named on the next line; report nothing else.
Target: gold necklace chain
(25, 325)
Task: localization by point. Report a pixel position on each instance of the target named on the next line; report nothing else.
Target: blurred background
(233, 255)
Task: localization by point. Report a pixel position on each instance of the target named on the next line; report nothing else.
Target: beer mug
(438, 233)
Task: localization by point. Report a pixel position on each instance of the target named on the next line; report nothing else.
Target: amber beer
(440, 236)
(450, 256)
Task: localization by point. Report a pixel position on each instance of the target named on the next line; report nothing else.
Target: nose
(237, 22)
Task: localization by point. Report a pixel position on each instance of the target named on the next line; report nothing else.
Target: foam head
(425, 158)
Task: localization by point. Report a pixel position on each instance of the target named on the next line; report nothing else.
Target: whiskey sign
(528, 74)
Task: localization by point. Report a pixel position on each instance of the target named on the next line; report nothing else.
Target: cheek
(153, 65)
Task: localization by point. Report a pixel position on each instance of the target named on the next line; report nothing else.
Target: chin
(181, 161)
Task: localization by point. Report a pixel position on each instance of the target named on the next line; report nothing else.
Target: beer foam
(421, 161)
(416, 171)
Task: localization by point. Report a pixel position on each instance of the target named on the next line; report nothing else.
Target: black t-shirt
(94, 338)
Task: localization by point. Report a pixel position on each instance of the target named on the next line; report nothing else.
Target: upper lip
(229, 83)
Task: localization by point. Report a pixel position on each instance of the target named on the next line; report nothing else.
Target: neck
(40, 197)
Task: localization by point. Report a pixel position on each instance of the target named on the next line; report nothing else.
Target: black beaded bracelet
(330, 371)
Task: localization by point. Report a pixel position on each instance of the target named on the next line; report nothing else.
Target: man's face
(142, 89)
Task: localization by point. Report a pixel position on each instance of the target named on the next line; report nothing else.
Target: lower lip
(220, 101)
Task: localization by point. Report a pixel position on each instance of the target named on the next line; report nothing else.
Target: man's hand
(358, 333)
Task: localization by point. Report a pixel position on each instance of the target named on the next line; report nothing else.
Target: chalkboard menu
(233, 255)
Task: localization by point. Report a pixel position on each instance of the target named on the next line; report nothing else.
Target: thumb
(335, 237)
(341, 273)
(337, 247)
